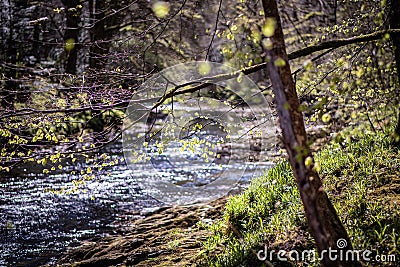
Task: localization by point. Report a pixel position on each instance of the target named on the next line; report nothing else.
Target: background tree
(71, 35)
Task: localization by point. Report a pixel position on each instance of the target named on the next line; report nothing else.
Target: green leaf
(69, 44)
(279, 62)
(161, 9)
(326, 118)
(204, 68)
(308, 162)
(269, 27)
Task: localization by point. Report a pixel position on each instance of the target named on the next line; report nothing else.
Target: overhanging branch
(204, 82)
(341, 42)
(197, 85)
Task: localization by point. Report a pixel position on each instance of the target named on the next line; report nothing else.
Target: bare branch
(341, 42)
(199, 84)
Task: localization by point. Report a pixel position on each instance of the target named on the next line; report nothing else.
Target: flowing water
(36, 226)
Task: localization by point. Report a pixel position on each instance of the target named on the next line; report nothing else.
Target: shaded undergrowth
(361, 176)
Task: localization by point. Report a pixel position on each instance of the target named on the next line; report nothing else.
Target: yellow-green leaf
(161, 9)
(308, 162)
(269, 27)
(279, 62)
(204, 68)
(69, 44)
(326, 118)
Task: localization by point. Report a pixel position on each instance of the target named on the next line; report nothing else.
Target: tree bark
(12, 54)
(98, 47)
(394, 21)
(106, 21)
(323, 221)
(72, 33)
(336, 43)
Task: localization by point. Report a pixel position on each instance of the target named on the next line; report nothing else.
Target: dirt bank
(168, 237)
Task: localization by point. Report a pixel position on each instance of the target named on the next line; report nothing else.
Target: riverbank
(361, 175)
(169, 236)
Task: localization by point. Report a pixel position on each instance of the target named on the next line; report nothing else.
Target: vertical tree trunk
(13, 54)
(322, 218)
(72, 34)
(99, 45)
(394, 21)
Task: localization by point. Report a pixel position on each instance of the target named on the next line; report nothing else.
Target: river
(36, 226)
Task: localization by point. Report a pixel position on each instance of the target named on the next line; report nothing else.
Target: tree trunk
(71, 34)
(394, 21)
(100, 44)
(324, 223)
(12, 54)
